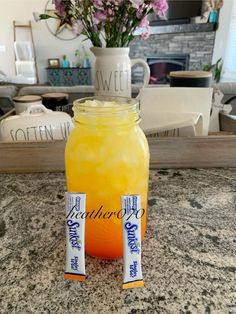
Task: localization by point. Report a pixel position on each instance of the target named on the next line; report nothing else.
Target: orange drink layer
(107, 156)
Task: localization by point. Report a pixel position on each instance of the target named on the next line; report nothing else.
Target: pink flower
(144, 24)
(146, 33)
(136, 3)
(98, 4)
(60, 7)
(115, 2)
(159, 7)
(139, 13)
(99, 17)
(77, 27)
(113, 21)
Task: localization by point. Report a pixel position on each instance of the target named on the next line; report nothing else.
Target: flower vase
(213, 17)
(112, 71)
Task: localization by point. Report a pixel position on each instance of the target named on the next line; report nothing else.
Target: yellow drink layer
(106, 157)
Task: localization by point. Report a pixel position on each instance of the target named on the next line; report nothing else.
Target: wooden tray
(176, 152)
(227, 122)
(216, 150)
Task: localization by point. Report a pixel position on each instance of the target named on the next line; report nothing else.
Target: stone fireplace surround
(196, 40)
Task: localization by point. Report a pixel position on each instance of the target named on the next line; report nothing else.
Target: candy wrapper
(75, 229)
(131, 233)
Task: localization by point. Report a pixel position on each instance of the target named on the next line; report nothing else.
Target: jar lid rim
(55, 96)
(27, 98)
(191, 74)
(101, 103)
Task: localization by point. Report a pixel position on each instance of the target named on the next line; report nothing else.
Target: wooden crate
(175, 152)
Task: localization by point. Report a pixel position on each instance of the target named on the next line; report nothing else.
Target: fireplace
(161, 66)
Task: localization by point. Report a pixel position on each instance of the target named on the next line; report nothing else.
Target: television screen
(181, 9)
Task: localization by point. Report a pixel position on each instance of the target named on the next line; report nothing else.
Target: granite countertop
(189, 252)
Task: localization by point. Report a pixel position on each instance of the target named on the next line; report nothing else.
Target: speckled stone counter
(189, 252)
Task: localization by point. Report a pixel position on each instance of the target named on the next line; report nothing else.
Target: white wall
(47, 45)
(223, 30)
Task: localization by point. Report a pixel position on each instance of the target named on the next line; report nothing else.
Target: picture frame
(53, 63)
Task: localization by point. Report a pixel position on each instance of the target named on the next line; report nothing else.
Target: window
(229, 66)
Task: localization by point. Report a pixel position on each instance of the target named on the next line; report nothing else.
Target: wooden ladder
(29, 27)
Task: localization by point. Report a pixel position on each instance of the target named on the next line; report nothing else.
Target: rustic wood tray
(227, 122)
(194, 152)
(216, 150)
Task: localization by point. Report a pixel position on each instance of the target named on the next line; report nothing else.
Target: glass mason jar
(107, 156)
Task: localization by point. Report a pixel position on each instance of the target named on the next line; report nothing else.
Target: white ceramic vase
(112, 75)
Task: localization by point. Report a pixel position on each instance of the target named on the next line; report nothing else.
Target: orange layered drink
(107, 156)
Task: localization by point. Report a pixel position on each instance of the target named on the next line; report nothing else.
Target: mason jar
(107, 156)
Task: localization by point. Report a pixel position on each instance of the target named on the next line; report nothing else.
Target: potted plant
(110, 26)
